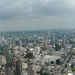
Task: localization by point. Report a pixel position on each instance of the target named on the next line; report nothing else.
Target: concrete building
(37, 50)
(22, 50)
(9, 70)
(39, 61)
(63, 40)
(2, 59)
(31, 70)
(7, 53)
(58, 53)
(16, 52)
(19, 50)
(50, 52)
(20, 43)
(69, 73)
(54, 41)
(17, 42)
(51, 59)
(11, 41)
(18, 67)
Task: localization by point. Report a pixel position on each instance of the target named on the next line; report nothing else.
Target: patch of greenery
(47, 64)
(44, 73)
(62, 71)
(73, 69)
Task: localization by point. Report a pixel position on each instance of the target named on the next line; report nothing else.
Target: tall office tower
(30, 64)
(27, 51)
(54, 41)
(31, 67)
(71, 41)
(57, 46)
(23, 40)
(18, 67)
(37, 50)
(29, 54)
(9, 70)
(7, 54)
(11, 41)
(63, 40)
(27, 40)
(3, 39)
(20, 43)
(46, 41)
(2, 59)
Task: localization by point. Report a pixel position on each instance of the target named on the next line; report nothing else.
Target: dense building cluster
(49, 52)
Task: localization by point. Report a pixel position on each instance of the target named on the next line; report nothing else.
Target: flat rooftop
(52, 57)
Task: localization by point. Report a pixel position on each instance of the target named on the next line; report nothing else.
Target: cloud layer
(39, 14)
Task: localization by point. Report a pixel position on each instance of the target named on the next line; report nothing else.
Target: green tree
(44, 73)
(73, 69)
(47, 64)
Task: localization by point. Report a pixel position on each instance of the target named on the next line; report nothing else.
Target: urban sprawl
(49, 52)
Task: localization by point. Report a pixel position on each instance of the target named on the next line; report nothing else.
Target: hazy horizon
(30, 15)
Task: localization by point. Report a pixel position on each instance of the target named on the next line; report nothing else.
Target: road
(63, 65)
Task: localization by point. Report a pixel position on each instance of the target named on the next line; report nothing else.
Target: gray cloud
(32, 8)
(36, 14)
(52, 8)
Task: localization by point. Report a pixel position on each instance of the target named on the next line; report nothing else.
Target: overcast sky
(18, 15)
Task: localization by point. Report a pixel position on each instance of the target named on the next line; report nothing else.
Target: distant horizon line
(36, 30)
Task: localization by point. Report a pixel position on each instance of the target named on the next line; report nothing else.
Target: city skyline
(18, 15)
(37, 52)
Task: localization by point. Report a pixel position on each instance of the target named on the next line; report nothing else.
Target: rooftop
(69, 74)
(53, 57)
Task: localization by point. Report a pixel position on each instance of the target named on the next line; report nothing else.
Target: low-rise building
(51, 59)
(2, 59)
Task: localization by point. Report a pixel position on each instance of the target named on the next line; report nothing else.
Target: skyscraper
(9, 70)
(63, 40)
(31, 70)
(57, 46)
(18, 67)
(7, 53)
(31, 67)
(54, 41)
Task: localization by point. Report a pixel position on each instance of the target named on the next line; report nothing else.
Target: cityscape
(49, 52)
(37, 37)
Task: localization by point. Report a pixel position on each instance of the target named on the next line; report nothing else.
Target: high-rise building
(63, 40)
(17, 43)
(37, 50)
(7, 53)
(18, 67)
(9, 70)
(2, 59)
(11, 41)
(20, 43)
(31, 67)
(31, 70)
(54, 41)
(57, 46)
(23, 40)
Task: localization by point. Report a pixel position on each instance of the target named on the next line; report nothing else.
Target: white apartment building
(2, 59)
